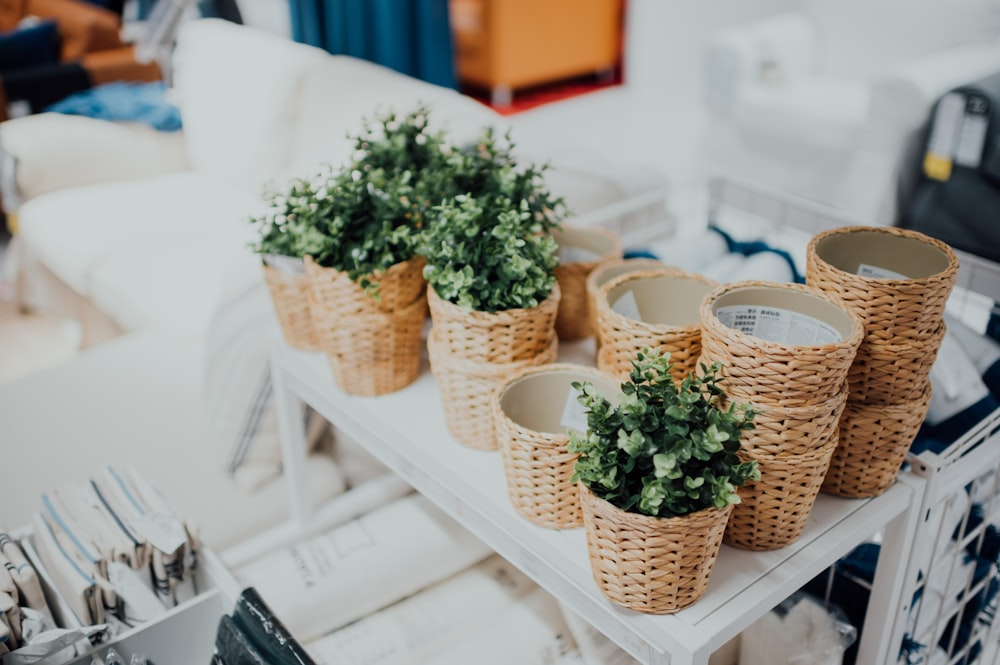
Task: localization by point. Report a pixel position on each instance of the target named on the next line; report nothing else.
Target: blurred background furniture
(826, 102)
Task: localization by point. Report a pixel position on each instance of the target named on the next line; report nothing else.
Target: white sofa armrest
(902, 98)
(781, 46)
(54, 151)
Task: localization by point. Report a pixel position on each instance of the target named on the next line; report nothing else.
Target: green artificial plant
(665, 449)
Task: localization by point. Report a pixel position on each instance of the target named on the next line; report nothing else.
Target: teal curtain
(410, 36)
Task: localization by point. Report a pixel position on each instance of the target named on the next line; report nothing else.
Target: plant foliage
(664, 450)
(487, 246)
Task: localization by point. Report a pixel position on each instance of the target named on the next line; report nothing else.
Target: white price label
(778, 325)
(574, 415)
(627, 306)
(867, 270)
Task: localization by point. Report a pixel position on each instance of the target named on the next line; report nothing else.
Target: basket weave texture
(797, 430)
(399, 286)
(766, 372)
(604, 273)
(886, 374)
(656, 565)
(538, 465)
(574, 320)
(774, 510)
(290, 295)
(468, 387)
(623, 337)
(507, 336)
(873, 444)
(891, 309)
(374, 354)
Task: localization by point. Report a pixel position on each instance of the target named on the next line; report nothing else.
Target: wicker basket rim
(804, 411)
(950, 270)
(436, 302)
(639, 263)
(656, 328)
(710, 320)
(648, 521)
(378, 275)
(483, 368)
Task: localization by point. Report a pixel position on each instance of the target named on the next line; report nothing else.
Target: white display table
(406, 431)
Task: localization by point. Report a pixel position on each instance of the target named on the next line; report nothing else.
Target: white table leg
(292, 431)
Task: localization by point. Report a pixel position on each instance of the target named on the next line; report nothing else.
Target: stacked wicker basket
(373, 345)
(289, 287)
(581, 250)
(786, 349)
(656, 308)
(897, 281)
(473, 352)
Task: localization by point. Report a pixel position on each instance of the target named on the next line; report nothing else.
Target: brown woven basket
(893, 373)
(530, 414)
(468, 387)
(290, 295)
(508, 336)
(873, 445)
(573, 320)
(373, 354)
(604, 273)
(669, 300)
(399, 286)
(793, 430)
(892, 309)
(656, 565)
(779, 374)
(774, 510)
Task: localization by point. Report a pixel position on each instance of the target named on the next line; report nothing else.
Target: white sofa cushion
(238, 89)
(75, 230)
(340, 91)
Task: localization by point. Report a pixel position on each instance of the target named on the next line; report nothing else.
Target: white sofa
(132, 231)
(827, 102)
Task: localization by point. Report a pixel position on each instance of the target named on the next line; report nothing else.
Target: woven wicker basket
(885, 374)
(793, 430)
(399, 286)
(773, 511)
(373, 354)
(777, 373)
(600, 245)
(656, 565)
(532, 411)
(508, 336)
(604, 273)
(892, 309)
(290, 295)
(669, 300)
(468, 388)
(873, 445)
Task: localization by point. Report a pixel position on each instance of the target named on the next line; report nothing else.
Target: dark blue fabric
(134, 102)
(410, 36)
(29, 47)
(757, 246)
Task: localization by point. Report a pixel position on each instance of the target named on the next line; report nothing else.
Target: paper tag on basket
(577, 255)
(574, 415)
(778, 325)
(164, 532)
(286, 264)
(866, 270)
(627, 306)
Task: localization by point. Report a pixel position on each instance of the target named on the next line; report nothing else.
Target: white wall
(665, 39)
(270, 15)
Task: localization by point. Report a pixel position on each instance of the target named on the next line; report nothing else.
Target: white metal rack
(406, 431)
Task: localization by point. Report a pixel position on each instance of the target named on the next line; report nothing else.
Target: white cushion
(238, 88)
(74, 230)
(134, 400)
(861, 38)
(827, 113)
(340, 91)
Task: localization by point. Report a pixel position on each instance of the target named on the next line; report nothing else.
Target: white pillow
(237, 88)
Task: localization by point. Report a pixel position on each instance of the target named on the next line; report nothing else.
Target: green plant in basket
(666, 449)
(488, 247)
(290, 227)
(370, 213)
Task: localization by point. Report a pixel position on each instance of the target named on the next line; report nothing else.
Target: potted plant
(658, 476)
(283, 238)
(493, 294)
(366, 276)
